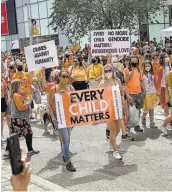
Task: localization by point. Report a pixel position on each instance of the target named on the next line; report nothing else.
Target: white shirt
(149, 84)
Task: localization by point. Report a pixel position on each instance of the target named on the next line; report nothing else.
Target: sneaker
(164, 130)
(116, 155)
(6, 154)
(138, 129)
(126, 137)
(33, 152)
(143, 121)
(70, 167)
(152, 125)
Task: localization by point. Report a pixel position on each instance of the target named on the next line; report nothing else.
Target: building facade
(38, 10)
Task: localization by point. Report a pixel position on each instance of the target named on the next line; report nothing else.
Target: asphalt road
(146, 164)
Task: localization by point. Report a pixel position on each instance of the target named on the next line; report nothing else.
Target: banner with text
(41, 55)
(115, 42)
(88, 106)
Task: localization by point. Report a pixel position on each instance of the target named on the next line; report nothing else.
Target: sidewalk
(36, 184)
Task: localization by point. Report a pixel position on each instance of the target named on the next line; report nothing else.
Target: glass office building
(39, 10)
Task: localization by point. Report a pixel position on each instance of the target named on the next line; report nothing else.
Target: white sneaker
(164, 130)
(116, 155)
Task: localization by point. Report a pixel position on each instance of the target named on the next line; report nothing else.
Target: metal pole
(30, 24)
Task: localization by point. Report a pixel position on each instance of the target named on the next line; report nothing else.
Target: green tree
(76, 18)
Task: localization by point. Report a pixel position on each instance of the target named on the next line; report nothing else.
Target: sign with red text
(88, 106)
(115, 42)
(4, 19)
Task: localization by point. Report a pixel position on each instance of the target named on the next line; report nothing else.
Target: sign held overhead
(115, 42)
(41, 55)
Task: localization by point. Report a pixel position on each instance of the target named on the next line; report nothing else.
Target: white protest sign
(115, 42)
(41, 55)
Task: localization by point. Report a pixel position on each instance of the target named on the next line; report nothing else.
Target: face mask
(115, 65)
(75, 62)
(57, 79)
(20, 68)
(11, 67)
(147, 69)
(109, 75)
(167, 60)
(93, 61)
(67, 56)
(134, 64)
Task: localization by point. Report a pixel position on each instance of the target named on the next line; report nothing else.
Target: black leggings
(28, 139)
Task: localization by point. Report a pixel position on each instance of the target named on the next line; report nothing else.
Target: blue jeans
(65, 135)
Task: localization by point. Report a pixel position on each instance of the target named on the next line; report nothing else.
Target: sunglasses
(65, 76)
(108, 71)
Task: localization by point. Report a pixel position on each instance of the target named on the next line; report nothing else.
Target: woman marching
(64, 133)
(164, 68)
(151, 97)
(114, 126)
(20, 118)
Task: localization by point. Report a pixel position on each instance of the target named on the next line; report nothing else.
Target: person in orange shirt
(134, 85)
(78, 73)
(68, 60)
(164, 68)
(20, 117)
(155, 65)
(5, 107)
(26, 81)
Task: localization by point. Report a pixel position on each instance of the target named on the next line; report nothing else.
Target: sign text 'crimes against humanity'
(41, 55)
(88, 106)
(116, 42)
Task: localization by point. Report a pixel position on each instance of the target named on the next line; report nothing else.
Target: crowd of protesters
(144, 78)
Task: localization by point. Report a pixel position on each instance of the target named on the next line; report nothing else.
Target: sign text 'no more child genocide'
(41, 55)
(88, 106)
(116, 42)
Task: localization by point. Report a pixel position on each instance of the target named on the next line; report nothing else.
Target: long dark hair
(151, 71)
(162, 60)
(130, 63)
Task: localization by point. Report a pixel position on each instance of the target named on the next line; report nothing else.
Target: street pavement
(146, 164)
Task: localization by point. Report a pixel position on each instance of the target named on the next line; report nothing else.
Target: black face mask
(57, 79)
(93, 61)
(134, 64)
(67, 56)
(20, 68)
(11, 67)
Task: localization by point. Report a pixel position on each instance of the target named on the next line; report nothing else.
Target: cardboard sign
(41, 55)
(115, 42)
(88, 106)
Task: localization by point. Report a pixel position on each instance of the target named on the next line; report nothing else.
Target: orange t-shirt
(26, 82)
(155, 70)
(133, 86)
(19, 102)
(48, 86)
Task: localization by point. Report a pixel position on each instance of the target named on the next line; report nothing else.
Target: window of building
(19, 3)
(43, 10)
(21, 30)
(34, 11)
(33, 1)
(20, 16)
(50, 5)
(44, 27)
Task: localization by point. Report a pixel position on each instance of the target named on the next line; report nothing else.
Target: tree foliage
(76, 18)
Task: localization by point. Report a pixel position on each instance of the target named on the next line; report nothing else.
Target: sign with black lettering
(88, 106)
(115, 42)
(41, 55)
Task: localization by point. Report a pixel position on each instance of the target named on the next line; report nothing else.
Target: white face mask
(167, 60)
(108, 75)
